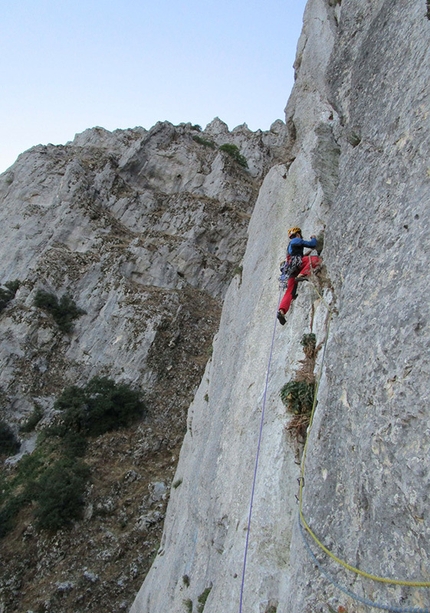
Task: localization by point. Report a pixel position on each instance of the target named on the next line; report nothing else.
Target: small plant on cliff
(202, 599)
(8, 294)
(234, 152)
(308, 342)
(204, 141)
(60, 494)
(9, 444)
(298, 396)
(188, 605)
(53, 478)
(18, 489)
(186, 580)
(102, 405)
(64, 311)
(32, 420)
(238, 270)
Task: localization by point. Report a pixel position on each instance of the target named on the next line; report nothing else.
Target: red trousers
(308, 262)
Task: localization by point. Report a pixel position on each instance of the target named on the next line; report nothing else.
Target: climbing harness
(290, 268)
(303, 523)
(257, 457)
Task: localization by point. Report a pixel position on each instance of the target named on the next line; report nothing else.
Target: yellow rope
(306, 525)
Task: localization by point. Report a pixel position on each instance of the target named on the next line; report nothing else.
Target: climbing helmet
(294, 230)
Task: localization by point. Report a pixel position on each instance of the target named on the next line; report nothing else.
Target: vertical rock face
(367, 475)
(144, 230)
(357, 165)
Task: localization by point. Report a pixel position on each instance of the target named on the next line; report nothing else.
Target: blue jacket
(296, 245)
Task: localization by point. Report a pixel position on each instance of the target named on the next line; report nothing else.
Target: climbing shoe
(301, 278)
(281, 318)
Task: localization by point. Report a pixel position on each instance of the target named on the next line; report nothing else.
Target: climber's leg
(288, 296)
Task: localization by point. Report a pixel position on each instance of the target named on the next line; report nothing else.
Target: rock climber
(296, 267)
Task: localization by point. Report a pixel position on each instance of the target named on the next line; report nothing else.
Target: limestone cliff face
(357, 165)
(144, 230)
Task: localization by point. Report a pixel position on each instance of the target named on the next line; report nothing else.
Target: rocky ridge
(144, 230)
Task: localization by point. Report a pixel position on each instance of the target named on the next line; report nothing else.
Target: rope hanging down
(257, 457)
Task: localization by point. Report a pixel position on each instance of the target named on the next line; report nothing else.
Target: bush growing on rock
(8, 294)
(298, 396)
(32, 420)
(17, 490)
(9, 444)
(60, 494)
(64, 311)
(100, 406)
(204, 141)
(53, 478)
(202, 599)
(234, 152)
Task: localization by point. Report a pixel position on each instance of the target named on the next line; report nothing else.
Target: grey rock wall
(127, 223)
(367, 473)
(144, 230)
(357, 166)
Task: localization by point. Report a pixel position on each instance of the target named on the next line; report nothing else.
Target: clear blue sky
(68, 65)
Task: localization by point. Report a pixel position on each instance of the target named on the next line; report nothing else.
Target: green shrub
(309, 340)
(52, 476)
(64, 311)
(204, 142)
(8, 513)
(298, 396)
(57, 489)
(8, 294)
(188, 605)
(9, 444)
(30, 467)
(74, 445)
(186, 580)
(20, 490)
(60, 494)
(99, 407)
(202, 599)
(32, 420)
(234, 152)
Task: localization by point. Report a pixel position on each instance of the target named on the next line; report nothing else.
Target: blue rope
(352, 595)
(256, 461)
